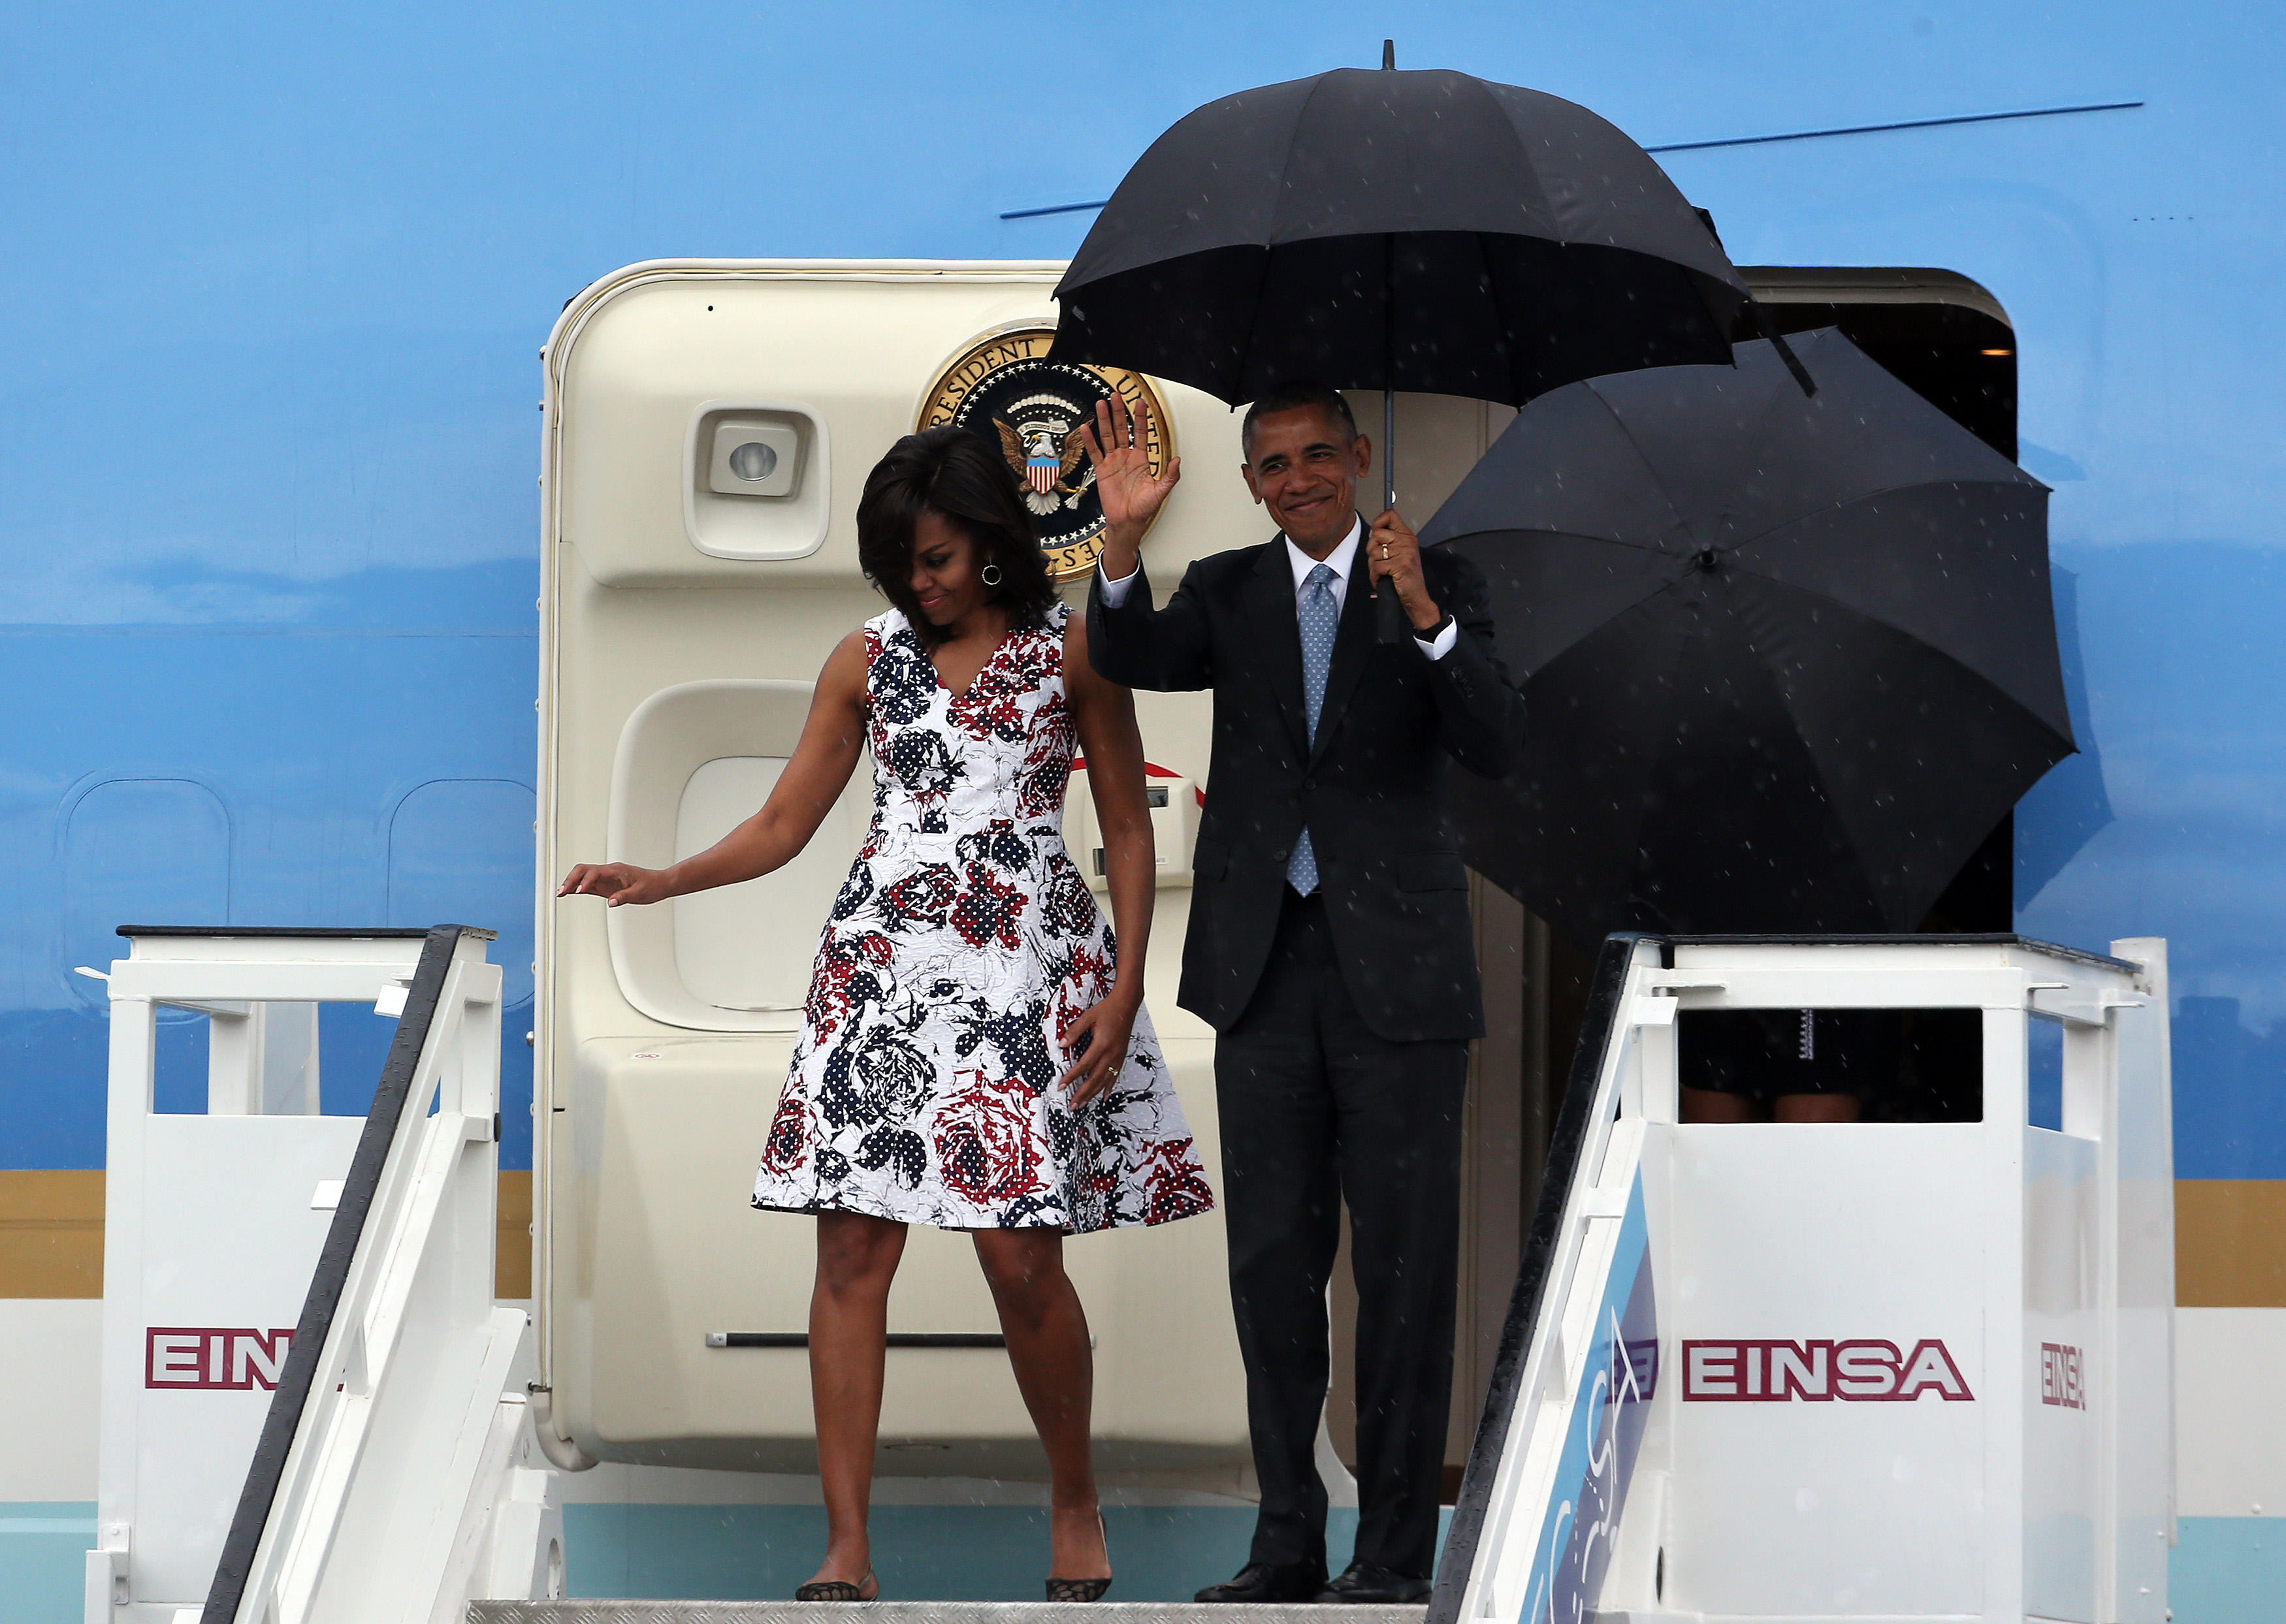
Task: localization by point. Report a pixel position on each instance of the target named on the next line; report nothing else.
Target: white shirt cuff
(1115, 592)
(1437, 649)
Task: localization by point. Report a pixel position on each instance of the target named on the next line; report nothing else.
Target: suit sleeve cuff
(1115, 592)
(1435, 649)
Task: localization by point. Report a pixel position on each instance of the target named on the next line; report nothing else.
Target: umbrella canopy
(1404, 230)
(1792, 657)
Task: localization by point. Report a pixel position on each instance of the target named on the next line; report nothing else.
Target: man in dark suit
(1329, 948)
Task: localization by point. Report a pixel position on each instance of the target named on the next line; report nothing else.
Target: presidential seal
(1003, 389)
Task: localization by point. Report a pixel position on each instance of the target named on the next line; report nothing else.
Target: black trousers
(1316, 1110)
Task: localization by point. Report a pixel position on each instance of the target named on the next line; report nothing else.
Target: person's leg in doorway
(1718, 1105)
(1715, 1104)
(1816, 1107)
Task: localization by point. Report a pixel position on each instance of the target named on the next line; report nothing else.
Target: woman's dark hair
(954, 474)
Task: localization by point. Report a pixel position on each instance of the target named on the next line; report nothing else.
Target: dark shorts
(1767, 1053)
(1902, 1065)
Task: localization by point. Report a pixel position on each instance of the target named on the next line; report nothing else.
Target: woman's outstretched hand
(1099, 1038)
(615, 882)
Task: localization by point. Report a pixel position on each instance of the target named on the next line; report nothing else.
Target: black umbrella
(1791, 659)
(1397, 231)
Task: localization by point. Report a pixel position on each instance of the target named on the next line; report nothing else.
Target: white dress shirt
(1115, 592)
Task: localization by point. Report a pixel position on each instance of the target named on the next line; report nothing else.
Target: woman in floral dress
(974, 1053)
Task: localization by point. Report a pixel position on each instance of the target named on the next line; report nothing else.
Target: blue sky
(276, 278)
(279, 272)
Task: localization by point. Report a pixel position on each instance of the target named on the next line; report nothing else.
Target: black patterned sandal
(1082, 1589)
(839, 1589)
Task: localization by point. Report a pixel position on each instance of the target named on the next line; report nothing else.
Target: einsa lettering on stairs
(2063, 1375)
(235, 1360)
(1865, 1370)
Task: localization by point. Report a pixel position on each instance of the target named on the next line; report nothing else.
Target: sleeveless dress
(962, 947)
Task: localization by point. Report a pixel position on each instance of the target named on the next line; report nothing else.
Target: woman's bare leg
(848, 1329)
(1046, 1327)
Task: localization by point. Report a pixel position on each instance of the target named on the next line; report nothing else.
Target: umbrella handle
(1390, 626)
(1389, 431)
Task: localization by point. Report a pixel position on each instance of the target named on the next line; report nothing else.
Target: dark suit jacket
(1370, 791)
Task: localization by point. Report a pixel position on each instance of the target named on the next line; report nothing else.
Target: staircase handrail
(326, 1375)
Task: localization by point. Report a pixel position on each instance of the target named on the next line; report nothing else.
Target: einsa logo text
(235, 1358)
(1862, 1371)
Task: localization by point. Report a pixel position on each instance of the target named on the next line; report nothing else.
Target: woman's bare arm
(832, 736)
(1103, 713)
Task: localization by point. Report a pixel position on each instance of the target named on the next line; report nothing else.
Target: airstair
(931, 1612)
(305, 1301)
(1799, 1373)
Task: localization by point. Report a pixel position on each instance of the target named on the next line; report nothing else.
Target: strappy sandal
(839, 1589)
(1082, 1589)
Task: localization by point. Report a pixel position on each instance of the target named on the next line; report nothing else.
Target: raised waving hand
(1131, 496)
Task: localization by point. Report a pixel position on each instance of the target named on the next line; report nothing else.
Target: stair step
(934, 1612)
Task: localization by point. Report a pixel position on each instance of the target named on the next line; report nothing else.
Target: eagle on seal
(1045, 450)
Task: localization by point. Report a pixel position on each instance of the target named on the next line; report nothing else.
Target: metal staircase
(386, 1479)
(2010, 1248)
(932, 1612)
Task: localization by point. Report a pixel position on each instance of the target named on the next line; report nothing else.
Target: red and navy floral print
(962, 947)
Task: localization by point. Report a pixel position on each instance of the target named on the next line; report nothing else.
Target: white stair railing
(385, 1483)
(1691, 1414)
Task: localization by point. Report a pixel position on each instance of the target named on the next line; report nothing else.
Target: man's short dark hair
(1292, 396)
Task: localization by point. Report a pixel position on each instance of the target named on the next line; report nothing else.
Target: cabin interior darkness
(1949, 341)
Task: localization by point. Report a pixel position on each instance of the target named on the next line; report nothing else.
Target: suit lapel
(1269, 597)
(1353, 642)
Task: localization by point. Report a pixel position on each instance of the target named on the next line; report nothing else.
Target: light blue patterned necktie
(1319, 617)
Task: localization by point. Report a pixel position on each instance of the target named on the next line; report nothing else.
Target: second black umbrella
(1791, 657)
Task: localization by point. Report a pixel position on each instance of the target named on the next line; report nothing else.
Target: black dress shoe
(1365, 1581)
(1270, 1581)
